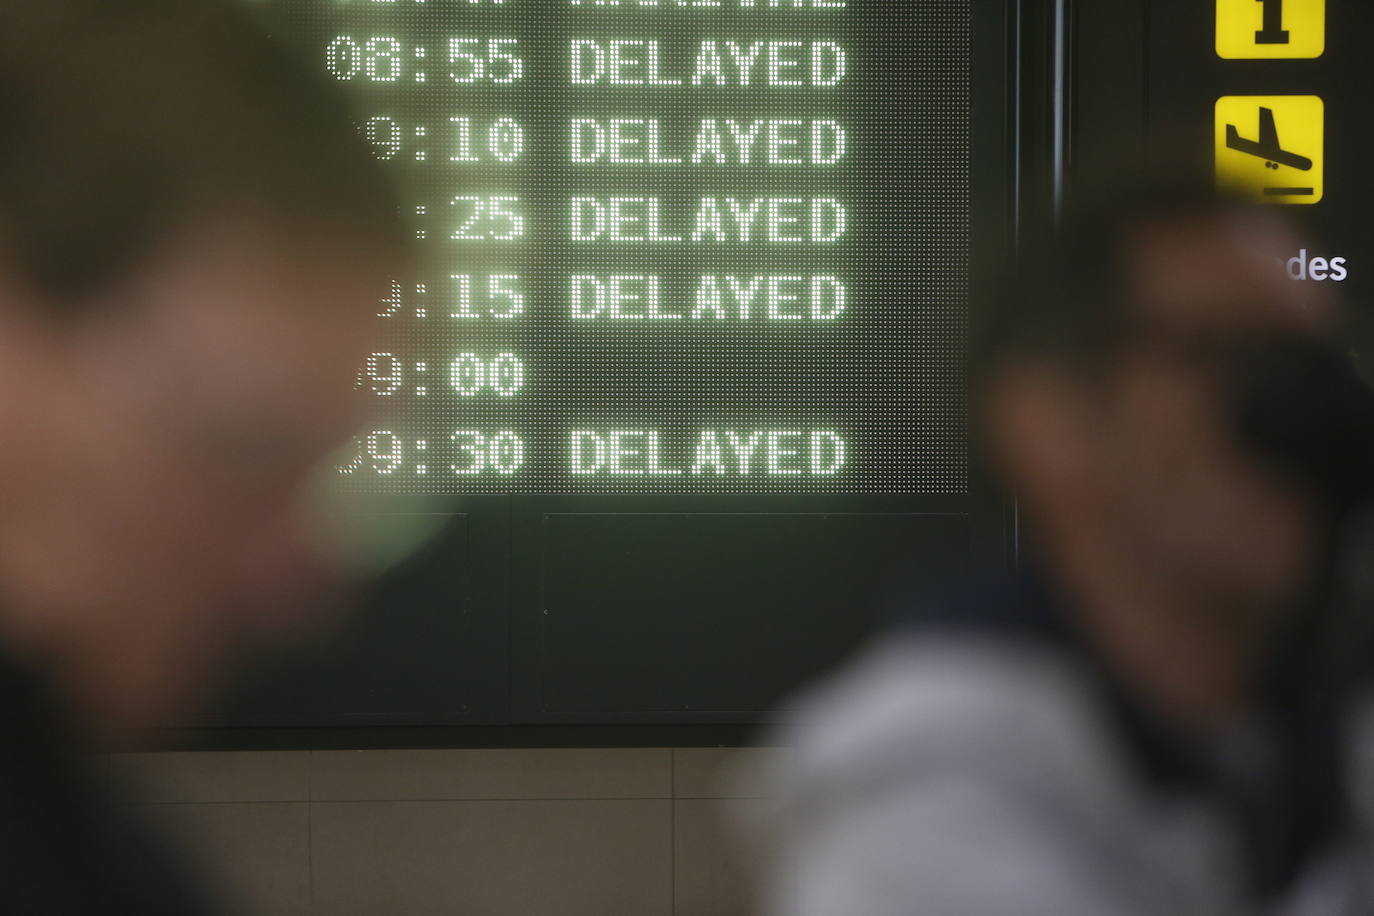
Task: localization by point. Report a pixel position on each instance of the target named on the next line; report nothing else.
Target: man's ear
(1042, 429)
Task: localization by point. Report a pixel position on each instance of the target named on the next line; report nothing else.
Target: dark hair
(124, 121)
(1066, 297)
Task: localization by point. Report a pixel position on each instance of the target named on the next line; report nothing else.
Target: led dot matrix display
(667, 246)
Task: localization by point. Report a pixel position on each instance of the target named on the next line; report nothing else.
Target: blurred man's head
(1113, 384)
(191, 242)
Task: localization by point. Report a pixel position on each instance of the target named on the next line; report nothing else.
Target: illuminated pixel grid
(684, 246)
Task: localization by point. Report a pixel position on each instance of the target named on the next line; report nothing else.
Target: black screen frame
(1015, 47)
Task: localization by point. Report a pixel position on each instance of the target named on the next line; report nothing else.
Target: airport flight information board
(667, 246)
(681, 364)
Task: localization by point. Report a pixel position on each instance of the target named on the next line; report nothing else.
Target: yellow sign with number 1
(1271, 29)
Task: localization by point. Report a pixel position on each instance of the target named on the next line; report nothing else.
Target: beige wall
(473, 832)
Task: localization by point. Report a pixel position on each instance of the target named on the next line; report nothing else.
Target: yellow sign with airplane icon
(1271, 29)
(1272, 146)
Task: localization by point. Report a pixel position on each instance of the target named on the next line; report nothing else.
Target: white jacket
(963, 775)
